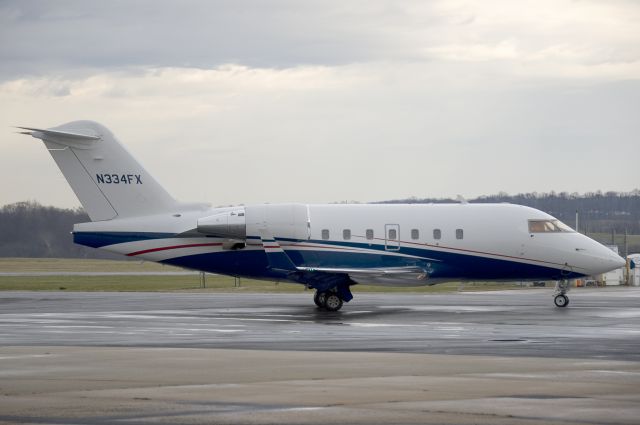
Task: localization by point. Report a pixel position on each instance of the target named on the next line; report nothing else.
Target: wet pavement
(598, 324)
(507, 357)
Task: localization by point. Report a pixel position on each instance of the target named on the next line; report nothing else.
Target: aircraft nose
(604, 259)
(618, 262)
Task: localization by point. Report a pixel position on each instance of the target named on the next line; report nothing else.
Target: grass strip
(214, 283)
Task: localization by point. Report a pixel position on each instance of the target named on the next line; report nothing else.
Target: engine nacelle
(277, 220)
(229, 224)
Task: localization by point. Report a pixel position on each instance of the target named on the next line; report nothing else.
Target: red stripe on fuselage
(165, 248)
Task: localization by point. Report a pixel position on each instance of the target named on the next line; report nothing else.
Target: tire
(319, 298)
(561, 300)
(332, 302)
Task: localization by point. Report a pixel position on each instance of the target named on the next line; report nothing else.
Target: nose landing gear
(561, 300)
(560, 297)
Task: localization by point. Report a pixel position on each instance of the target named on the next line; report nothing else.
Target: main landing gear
(328, 300)
(560, 299)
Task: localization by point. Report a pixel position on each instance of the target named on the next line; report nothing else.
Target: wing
(318, 277)
(379, 275)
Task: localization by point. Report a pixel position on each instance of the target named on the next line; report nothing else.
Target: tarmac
(507, 357)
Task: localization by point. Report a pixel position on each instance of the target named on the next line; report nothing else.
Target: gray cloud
(40, 37)
(330, 100)
(75, 36)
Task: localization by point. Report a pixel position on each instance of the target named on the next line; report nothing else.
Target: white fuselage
(450, 241)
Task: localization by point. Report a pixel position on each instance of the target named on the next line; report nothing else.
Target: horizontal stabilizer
(39, 133)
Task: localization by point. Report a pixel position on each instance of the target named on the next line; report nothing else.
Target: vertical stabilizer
(105, 177)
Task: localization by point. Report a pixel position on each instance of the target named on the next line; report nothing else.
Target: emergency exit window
(325, 234)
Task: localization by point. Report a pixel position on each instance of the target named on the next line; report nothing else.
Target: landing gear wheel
(332, 302)
(561, 300)
(319, 298)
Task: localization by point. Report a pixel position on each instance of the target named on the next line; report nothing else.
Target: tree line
(598, 212)
(28, 229)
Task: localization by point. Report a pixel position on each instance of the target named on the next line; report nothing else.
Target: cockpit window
(548, 226)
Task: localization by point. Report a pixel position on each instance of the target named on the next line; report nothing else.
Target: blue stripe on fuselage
(253, 263)
(101, 239)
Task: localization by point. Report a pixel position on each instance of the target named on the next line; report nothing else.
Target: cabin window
(346, 234)
(459, 233)
(548, 226)
(369, 234)
(437, 234)
(415, 234)
(325, 234)
(393, 234)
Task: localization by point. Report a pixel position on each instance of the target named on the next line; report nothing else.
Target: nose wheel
(560, 299)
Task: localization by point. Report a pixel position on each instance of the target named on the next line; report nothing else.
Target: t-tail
(105, 177)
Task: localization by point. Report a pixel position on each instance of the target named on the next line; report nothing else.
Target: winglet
(277, 258)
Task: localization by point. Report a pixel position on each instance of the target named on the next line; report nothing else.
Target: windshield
(548, 226)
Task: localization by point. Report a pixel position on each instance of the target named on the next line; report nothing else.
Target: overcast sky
(273, 101)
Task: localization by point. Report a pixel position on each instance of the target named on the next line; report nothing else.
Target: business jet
(327, 248)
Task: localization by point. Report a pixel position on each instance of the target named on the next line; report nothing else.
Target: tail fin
(105, 177)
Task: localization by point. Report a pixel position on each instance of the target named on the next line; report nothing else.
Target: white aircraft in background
(324, 247)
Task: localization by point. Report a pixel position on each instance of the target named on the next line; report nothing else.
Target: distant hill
(28, 229)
